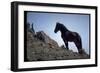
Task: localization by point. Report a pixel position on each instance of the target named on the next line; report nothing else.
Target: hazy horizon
(74, 22)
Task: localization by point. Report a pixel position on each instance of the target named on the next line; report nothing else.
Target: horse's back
(71, 36)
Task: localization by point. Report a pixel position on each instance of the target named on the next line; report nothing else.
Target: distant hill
(40, 47)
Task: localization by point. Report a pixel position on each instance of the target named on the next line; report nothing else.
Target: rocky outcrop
(40, 47)
(46, 39)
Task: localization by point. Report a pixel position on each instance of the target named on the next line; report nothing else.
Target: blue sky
(75, 22)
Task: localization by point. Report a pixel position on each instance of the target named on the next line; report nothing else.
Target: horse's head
(57, 28)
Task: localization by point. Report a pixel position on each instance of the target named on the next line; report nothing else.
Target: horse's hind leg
(79, 46)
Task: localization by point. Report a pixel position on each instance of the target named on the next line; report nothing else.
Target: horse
(69, 36)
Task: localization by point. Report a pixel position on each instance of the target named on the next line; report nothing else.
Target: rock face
(40, 47)
(46, 39)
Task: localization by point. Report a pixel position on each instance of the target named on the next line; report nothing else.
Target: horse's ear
(57, 23)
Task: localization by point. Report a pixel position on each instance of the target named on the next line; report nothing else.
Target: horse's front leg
(66, 43)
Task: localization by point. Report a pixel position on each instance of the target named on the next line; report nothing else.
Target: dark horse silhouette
(69, 36)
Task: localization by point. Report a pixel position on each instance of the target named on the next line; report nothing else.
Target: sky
(46, 22)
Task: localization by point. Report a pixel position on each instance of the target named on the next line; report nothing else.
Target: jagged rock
(46, 39)
(30, 28)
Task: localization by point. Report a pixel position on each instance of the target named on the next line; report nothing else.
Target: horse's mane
(63, 27)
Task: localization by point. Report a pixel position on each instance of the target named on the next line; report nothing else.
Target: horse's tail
(80, 41)
(80, 45)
